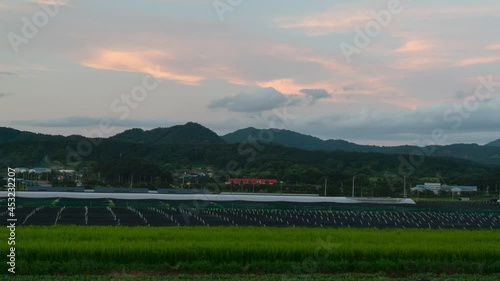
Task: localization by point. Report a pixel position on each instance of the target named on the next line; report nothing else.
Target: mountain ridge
(189, 133)
(494, 143)
(483, 154)
(196, 134)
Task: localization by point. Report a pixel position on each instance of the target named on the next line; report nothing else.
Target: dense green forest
(112, 159)
(118, 162)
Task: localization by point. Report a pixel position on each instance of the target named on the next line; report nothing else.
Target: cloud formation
(145, 61)
(261, 100)
(341, 19)
(315, 94)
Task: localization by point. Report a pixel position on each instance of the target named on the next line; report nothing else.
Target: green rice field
(79, 250)
(272, 277)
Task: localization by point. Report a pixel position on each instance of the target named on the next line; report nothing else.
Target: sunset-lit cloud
(307, 55)
(138, 61)
(341, 18)
(479, 60)
(421, 62)
(493, 47)
(325, 23)
(290, 87)
(54, 2)
(415, 46)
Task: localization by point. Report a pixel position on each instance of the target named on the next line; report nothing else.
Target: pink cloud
(417, 54)
(421, 51)
(344, 18)
(369, 86)
(53, 2)
(493, 47)
(289, 86)
(408, 102)
(302, 54)
(421, 62)
(479, 60)
(324, 23)
(145, 61)
(477, 10)
(416, 46)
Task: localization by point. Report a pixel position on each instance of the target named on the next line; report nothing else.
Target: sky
(384, 72)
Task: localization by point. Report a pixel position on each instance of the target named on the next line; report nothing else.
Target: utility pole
(353, 178)
(325, 186)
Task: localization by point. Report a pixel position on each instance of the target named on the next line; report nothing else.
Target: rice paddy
(74, 250)
(250, 277)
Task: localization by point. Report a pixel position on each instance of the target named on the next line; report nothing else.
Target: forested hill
(193, 135)
(190, 133)
(13, 135)
(488, 154)
(494, 143)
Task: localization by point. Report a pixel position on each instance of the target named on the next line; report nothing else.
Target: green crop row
(250, 277)
(78, 250)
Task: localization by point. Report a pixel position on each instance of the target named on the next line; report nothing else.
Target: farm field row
(153, 216)
(271, 277)
(100, 250)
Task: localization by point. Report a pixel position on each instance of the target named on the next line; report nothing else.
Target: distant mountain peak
(494, 143)
(189, 133)
(13, 135)
(278, 136)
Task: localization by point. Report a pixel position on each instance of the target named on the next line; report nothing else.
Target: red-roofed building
(251, 181)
